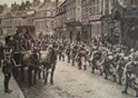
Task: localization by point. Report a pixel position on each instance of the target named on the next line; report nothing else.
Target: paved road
(71, 82)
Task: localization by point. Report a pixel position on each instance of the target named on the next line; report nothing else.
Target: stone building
(108, 32)
(61, 17)
(73, 21)
(14, 17)
(125, 13)
(86, 9)
(95, 19)
(44, 17)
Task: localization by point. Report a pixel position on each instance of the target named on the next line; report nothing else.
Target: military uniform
(61, 49)
(1, 54)
(68, 52)
(121, 65)
(7, 70)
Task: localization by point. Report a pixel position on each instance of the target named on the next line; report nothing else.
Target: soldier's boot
(119, 82)
(101, 73)
(8, 91)
(39, 75)
(79, 65)
(93, 71)
(114, 76)
(106, 76)
(85, 67)
(73, 63)
(59, 57)
(125, 92)
(68, 60)
(63, 59)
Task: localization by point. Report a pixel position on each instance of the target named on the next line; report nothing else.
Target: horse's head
(36, 51)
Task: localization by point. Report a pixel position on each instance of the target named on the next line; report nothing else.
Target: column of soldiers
(118, 60)
(99, 55)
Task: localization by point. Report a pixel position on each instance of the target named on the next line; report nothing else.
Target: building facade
(12, 18)
(95, 19)
(61, 17)
(86, 9)
(44, 17)
(73, 21)
(108, 32)
(125, 13)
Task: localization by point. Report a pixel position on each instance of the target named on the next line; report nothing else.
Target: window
(52, 13)
(48, 13)
(90, 10)
(19, 22)
(52, 23)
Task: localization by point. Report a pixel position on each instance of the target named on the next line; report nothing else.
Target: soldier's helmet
(7, 55)
(35, 49)
(132, 50)
(50, 46)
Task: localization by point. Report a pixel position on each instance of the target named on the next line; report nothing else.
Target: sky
(8, 2)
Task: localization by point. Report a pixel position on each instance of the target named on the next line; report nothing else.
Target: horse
(49, 60)
(131, 76)
(26, 59)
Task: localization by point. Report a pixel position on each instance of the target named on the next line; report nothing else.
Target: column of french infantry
(116, 60)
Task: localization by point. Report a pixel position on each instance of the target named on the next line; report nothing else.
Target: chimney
(28, 4)
(56, 3)
(5, 6)
(12, 5)
(45, 1)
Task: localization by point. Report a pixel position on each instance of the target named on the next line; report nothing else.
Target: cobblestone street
(71, 82)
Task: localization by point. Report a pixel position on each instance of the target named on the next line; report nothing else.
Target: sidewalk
(16, 91)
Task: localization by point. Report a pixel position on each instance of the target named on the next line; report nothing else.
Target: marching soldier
(7, 70)
(61, 49)
(68, 52)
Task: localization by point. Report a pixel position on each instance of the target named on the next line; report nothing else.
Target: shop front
(73, 30)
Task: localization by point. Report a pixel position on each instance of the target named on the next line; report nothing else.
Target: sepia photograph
(68, 48)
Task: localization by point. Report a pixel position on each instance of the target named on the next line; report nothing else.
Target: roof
(61, 2)
(37, 7)
(5, 11)
(49, 5)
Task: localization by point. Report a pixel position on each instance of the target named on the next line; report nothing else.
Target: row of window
(45, 13)
(45, 24)
(61, 22)
(18, 22)
(95, 29)
(71, 14)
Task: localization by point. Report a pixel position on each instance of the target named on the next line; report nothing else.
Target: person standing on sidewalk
(1, 54)
(7, 70)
